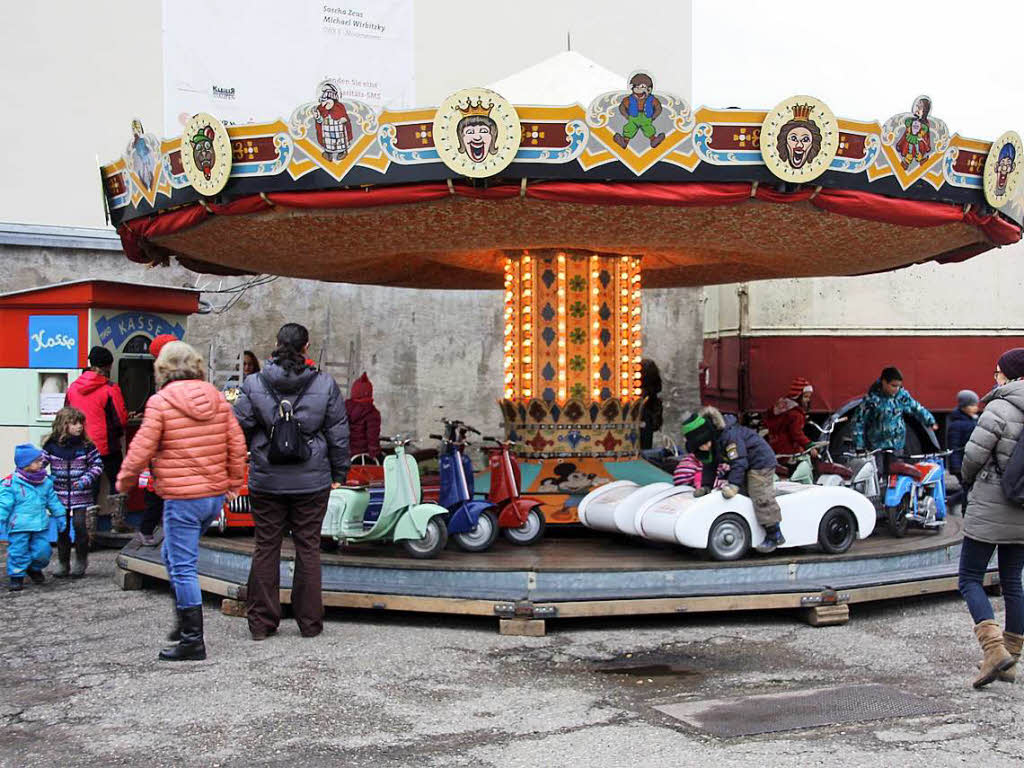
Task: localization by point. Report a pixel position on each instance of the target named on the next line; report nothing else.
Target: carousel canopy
(436, 197)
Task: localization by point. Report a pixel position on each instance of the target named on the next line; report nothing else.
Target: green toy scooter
(403, 517)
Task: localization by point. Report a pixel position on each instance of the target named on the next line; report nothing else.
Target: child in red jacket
(363, 419)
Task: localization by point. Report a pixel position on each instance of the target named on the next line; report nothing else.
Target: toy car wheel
(530, 531)
(729, 537)
(482, 537)
(837, 530)
(433, 541)
(897, 517)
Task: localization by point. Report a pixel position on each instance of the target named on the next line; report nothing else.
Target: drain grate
(771, 713)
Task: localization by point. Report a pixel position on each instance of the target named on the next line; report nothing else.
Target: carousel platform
(576, 574)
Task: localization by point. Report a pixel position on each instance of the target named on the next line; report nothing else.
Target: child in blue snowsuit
(29, 511)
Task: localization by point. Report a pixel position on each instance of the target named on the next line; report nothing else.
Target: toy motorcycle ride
(403, 517)
(472, 523)
(520, 518)
(913, 493)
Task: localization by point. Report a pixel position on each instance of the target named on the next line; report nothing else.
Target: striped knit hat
(798, 386)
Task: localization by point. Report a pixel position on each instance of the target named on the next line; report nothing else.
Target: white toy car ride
(830, 517)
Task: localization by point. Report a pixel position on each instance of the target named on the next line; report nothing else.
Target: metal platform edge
(812, 600)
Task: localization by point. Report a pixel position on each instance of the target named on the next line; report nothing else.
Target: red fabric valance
(857, 204)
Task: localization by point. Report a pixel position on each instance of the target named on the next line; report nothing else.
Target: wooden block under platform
(127, 580)
(826, 615)
(231, 607)
(521, 627)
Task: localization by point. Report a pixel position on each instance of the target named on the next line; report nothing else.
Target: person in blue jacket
(959, 426)
(879, 420)
(30, 516)
(715, 438)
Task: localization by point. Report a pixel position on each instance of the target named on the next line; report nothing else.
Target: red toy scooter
(519, 517)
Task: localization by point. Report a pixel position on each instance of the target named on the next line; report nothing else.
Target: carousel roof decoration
(437, 197)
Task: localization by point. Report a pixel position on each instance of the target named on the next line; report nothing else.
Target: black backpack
(1012, 475)
(287, 443)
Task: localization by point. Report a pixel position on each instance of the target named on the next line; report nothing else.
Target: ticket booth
(48, 332)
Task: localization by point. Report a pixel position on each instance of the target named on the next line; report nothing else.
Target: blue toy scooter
(473, 523)
(916, 493)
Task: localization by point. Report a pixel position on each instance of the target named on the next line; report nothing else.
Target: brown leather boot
(997, 658)
(1013, 644)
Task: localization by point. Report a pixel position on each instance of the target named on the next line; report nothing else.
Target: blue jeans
(974, 559)
(184, 522)
(27, 551)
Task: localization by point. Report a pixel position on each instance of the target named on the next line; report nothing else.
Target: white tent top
(565, 78)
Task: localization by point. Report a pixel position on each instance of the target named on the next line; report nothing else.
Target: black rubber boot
(63, 558)
(175, 634)
(36, 576)
(191, 646)
(16, 584)
(81, 561)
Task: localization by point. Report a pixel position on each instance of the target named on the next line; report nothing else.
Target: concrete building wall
(979, 296)
(422, 349)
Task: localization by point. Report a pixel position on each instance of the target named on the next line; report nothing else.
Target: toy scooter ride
(912, 493)
(473, 523)
(403, 517)
(828, 472)
(519, 517)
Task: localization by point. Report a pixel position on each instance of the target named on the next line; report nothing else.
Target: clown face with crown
(477, 132)
(800, 138)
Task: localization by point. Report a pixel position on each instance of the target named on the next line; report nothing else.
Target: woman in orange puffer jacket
(197, 452)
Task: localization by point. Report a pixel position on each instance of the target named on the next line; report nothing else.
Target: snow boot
(772, 540)
(997, 658)
(36, 576)
(191, 646)
(118, 504)
(16, 584)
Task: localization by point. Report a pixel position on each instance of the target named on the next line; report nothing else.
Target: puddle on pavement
(649, 670)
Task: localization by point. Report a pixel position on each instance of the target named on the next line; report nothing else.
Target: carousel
(571, 211)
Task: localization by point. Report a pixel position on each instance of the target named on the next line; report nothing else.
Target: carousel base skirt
(577, 574)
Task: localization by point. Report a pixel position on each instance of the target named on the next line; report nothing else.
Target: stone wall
(421, 349)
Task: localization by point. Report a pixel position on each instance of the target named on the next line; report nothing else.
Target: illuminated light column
(573, 327)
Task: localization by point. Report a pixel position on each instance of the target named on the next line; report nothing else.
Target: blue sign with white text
(117, 329)
(53, 341)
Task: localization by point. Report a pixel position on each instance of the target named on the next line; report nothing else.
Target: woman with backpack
(295, 422)
(995, 523)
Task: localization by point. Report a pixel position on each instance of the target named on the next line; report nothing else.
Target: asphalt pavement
(80, 685)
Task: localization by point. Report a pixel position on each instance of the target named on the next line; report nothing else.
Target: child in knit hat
(786, 419)
(958, 431)
(29, 510)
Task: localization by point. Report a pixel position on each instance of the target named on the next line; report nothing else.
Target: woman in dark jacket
(994, 523)
(291, 496)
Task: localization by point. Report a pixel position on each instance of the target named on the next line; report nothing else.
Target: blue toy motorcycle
(472, 523)
(916, 493)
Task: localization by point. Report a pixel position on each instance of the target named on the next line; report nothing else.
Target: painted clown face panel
(1004, 168)
(477, 137)
(202, 152)
(799, 145)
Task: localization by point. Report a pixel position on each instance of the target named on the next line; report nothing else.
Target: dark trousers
(111, 466)
(273, 514)
(76, 518)
(152, 513)
(974, 559)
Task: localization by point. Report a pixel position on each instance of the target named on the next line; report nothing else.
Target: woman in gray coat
(994, 523)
